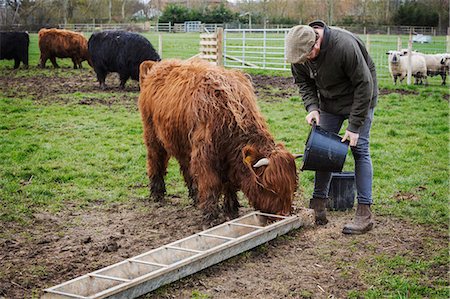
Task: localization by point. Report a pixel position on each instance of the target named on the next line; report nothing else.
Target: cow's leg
(24, 58)
(193, 191)
(101, 77)
(75, 63)
(43, 60)
(123, 80)
(16, 63)
(53, 60)
(157, 159)
(230, 202)
(207, 178)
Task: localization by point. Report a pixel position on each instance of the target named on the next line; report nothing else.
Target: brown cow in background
(207, 118)
(63, 44)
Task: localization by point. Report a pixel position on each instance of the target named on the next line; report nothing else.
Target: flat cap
(299, 42)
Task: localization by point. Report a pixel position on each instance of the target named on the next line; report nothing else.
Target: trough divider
(184, 249)
(271, 215)
(217, 236)
(148, 263)
(247, 225)
(109, 277)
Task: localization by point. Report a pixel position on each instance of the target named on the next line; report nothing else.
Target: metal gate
(255, 48)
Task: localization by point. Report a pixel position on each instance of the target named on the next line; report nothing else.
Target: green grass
(402, 277)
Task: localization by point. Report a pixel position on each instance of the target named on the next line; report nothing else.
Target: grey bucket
(341, 195)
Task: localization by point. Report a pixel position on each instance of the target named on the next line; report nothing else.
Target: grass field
(59, 151)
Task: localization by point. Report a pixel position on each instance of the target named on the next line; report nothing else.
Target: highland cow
(14, 45)
(207, 118)
(62, 44)
(121, 52)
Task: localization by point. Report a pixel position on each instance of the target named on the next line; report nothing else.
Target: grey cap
(299, 42)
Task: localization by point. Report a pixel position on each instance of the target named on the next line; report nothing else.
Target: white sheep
(434, 64)
(398, 66)
(445, 62)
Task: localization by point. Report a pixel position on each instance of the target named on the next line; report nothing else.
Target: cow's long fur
(207, 118)
(14, 45)
(63, 44)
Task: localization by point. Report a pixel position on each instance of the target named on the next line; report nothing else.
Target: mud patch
(314, 263)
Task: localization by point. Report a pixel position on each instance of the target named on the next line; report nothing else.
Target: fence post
(219, 46)
(448, 43)
(368, 43)
(399, 43)
(389, 30)
(409, 67)
(160, 47)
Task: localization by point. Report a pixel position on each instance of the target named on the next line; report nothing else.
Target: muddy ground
(316, 262)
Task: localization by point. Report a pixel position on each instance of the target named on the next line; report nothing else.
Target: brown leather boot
(319, 206)
(362, 222)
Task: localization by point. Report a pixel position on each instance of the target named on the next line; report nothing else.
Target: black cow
(121, 52)
(14, 45)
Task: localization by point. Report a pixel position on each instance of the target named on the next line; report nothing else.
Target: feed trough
(141, 274)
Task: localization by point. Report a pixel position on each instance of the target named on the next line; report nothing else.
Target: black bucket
(341, 195)
(324, 151)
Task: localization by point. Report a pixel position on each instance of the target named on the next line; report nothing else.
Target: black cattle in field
(14, 45)
(120, 52)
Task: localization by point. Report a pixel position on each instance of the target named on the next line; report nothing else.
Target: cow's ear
(248, 155)
(144, 69)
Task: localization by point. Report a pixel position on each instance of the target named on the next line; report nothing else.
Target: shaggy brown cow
(207, 118)
(63, 44)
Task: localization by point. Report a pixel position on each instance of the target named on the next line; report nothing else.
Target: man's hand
(353, 137)
(313, 115)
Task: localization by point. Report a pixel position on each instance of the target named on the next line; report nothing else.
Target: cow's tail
(144, 70)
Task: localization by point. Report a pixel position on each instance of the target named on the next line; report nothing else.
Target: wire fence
(265, 49)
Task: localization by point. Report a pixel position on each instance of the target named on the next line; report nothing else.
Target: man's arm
(307, 87)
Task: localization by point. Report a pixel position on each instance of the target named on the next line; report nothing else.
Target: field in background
(185, 45)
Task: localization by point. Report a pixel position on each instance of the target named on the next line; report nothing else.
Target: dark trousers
(361, 154)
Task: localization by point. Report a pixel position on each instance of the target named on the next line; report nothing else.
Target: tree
(416, 14)
(175, 14)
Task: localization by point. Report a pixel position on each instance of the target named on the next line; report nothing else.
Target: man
(337, 81)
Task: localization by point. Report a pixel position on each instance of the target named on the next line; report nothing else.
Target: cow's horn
(298, 156)
(261, 162)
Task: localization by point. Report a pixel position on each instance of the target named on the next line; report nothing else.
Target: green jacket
(341, 80)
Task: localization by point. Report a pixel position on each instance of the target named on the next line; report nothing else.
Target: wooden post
(160, 45)
(368, 43)
(448, 43)
(219, 46)
(409, 66)
(399, 43)
(389, 30)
